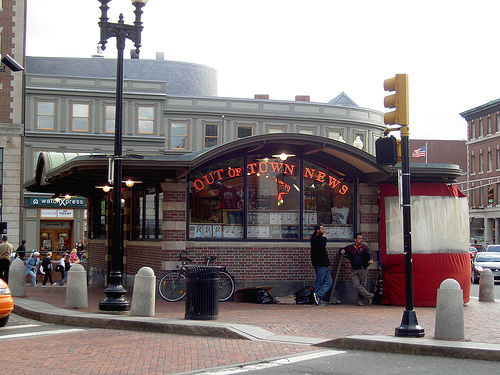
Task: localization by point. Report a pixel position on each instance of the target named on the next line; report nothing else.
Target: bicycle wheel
(226, 286)
(172, 286)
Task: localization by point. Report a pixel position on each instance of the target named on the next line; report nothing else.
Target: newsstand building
(246, 180)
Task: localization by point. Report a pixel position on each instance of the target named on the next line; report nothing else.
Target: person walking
(320, 262)
(6, 249)
(360, 258)
(21, 250)
(60, 267)
(32, 266)
(67, 266)
(47, 268)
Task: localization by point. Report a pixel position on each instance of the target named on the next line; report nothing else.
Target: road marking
(278, 362)
(42, 333)
(20, 326)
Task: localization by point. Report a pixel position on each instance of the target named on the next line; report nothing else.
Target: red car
(6, 303)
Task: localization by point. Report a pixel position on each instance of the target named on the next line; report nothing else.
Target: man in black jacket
(360, 257)
(320, 262)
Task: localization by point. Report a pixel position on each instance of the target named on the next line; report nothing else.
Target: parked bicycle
(172, 286)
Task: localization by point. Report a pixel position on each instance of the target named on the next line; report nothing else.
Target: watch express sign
(49, 202)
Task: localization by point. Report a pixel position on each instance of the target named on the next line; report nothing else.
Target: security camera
(12, 64)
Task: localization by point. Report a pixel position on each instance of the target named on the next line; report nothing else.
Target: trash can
(202, 293)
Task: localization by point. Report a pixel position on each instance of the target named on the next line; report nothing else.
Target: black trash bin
(202, 293)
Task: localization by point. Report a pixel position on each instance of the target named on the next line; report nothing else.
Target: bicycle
(172, 286)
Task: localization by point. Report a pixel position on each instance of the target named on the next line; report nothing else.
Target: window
(481, 196)
(335, 134)
(481, 163)
(472, 130)
(473, 198)
(262, 197)
(211, 135)
(110, 116)
(481, 128)
(80, 117)
(490, 129)
(498, 159)
(490, 162)
(306, 131)
(498, 122)
(244, 131)
(178, 135)
(275, 129)
(146, 120)
(45, 115)
(472, 164)
(148, 207)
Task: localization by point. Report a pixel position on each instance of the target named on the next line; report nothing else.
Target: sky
(318, 48)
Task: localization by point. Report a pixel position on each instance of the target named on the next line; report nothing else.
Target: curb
(417, 346)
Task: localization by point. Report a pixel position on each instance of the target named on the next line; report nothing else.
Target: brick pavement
(312, 321)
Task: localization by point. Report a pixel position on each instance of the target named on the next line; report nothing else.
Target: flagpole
(426, 152)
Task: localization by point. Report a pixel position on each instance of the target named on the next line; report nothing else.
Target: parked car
(472, 251)
(6, 303)
(485, 260)
(494, 248)
(478, 247)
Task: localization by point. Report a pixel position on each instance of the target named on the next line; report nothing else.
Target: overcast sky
(318, 48)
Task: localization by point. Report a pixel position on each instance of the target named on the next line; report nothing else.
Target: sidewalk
(341, 326)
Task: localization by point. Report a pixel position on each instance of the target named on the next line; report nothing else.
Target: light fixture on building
(106, 188)
(358, 143)
(283, 156)
(67, 197)
(129, 183)
(341, 139)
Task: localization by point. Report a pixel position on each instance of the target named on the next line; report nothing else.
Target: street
(474, 290)
(338, 362)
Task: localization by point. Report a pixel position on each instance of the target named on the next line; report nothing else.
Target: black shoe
(316, 299)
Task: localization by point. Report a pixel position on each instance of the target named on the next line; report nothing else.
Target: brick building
(483, 155)
(12, 26)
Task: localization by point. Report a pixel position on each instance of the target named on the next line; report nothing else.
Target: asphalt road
(338, 362)
(474, 290)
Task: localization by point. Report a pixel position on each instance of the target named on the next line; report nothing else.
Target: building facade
(12, 34)
(483, 156)
(243, 179)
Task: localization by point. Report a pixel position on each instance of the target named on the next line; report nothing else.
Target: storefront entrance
(55, 237)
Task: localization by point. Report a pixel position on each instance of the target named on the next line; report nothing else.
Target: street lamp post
(115, 300)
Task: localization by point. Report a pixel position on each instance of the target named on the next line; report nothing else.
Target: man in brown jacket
(5, 250)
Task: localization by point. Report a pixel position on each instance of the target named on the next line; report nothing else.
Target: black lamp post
(115, 300)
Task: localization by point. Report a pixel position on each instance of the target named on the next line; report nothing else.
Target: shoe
(316, 299)
(370, 299)
(54, 284)
(45, 286)
(322, 303)
(360, 303)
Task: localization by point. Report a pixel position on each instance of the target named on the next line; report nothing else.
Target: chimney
(261, 96)
(160, 56)
(302, 98)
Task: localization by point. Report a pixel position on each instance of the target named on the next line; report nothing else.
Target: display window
(268, 197)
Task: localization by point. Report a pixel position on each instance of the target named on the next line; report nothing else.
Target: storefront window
(327, 200)
(266, 197)
(216, 201)
(148, 218)
(273, 198)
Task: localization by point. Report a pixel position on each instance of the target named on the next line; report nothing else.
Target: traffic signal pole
(399, 100)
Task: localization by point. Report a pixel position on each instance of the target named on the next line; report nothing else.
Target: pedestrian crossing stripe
(42, 333)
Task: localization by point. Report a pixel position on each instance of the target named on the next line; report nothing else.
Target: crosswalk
(22, 331)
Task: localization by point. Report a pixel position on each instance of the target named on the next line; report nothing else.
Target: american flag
(419, 152)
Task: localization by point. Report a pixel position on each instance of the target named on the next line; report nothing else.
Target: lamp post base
(409, 326)
(115, 300)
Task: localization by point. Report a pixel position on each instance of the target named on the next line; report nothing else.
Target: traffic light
(490, 195)
(398, 100)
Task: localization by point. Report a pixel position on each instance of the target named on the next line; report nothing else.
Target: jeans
(323, 281)
(33, 277)
(64, 279)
